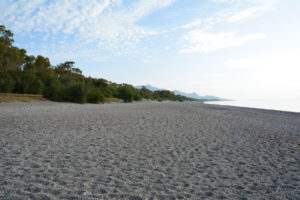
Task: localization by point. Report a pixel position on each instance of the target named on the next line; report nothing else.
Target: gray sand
(147, 151)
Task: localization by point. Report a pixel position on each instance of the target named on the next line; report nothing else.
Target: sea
(281, 105)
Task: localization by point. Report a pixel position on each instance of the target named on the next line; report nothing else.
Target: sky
(236, 49)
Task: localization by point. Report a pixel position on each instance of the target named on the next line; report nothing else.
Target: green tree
(145, 93)
(76, 93)
(6, 36)
(67, 74)
(32, 84)
(7, 83)
(125, 93)
(54, 90)
(11, 58)
(95, 95)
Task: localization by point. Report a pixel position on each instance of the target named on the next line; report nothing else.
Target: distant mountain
(149, 87)
(193, 95)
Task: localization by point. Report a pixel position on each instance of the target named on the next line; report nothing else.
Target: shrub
(145, 93)
(159, 99)
(31, 84)
(7, 83)
(75, 93)
(125, 93)
(137, 97)
(53, 90)
(95, 96)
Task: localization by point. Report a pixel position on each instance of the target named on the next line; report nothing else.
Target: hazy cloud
(249, 12)
(200, 41)
(203, 37)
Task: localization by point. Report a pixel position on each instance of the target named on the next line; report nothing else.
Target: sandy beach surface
(147, 150)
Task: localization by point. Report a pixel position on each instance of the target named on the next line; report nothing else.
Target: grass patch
(10, 97)
(112, 100)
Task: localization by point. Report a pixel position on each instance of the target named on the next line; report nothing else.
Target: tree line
(27, 74)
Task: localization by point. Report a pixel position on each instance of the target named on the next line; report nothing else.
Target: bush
(159, 99)
(53, 90)
(95, 96)
(137, 97)
(7, 83)
(31, 84)
(125, 93)
(145, 93)
(75, 93)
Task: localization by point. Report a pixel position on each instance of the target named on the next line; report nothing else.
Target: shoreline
(222, 103)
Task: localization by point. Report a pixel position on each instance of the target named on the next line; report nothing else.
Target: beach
(147, 150)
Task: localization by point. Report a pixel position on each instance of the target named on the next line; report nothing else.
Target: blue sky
(237, 49)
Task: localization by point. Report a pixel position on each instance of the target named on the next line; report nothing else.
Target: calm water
(290, 105)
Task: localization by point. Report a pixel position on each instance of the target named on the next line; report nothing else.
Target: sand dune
(147, 151)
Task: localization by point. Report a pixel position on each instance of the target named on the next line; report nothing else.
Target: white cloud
(193, 24)
(249, 12)
(239, 10)
(242, 1)
(113, 25)
(107, 24)
(199, 41)
(203, 37)
(244, 9)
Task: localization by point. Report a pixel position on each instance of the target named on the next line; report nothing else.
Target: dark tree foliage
(7, 83)
(22, 73)
(126, 93)
(163, 95)
(53, 89)
(95, 95)
(6, 36)
(102, 84)
(145, 93)
(32, 84)
(75, 93)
